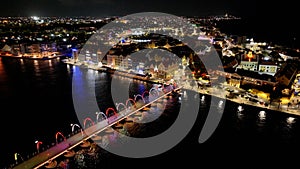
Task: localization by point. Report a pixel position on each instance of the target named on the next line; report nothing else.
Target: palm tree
(289, 104)
(279, 104)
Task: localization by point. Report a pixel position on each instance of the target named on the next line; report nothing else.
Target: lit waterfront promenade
(221, 93)
(35, 56)
(59, 149)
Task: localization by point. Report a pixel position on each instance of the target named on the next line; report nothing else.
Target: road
(221, 93)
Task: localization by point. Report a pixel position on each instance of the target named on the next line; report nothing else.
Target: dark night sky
(279, 17)
(252, 8)
(116, 7)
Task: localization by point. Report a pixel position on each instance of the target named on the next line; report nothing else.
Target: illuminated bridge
(43, 158)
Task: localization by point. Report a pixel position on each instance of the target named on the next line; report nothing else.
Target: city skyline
(268, 18)
(41, 89)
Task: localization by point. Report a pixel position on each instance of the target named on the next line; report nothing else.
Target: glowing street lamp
(16, 157)
(38, 143)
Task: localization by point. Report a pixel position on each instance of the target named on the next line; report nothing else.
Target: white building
(269, 68)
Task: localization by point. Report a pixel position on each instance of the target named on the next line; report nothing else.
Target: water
(36, 102)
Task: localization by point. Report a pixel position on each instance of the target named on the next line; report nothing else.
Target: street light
(16, 157)
(73, 126)
(38, 143)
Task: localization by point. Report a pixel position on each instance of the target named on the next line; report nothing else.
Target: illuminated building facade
(249, 61)
(120, 62)
(75, 54)
(286, 75)
(267, 68)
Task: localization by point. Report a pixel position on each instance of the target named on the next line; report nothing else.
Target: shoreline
(211, 91)
(273, 107)
(248, 103)
(31, 58)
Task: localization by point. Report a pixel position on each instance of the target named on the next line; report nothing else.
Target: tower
(75, 55)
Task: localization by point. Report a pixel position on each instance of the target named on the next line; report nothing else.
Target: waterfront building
(115, 61)
(286, 75)
(287, 54)
(235, 80)
(267, 67)
(241, 40)
(6, 48)
(34, 48)
(249, 61)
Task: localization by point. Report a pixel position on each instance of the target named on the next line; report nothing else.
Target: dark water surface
(36, 102)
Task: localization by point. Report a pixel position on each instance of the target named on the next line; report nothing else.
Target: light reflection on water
(240, 115)
(290, 120)
(202, 99)
(49, 79)
(261, 121)
(262, 115)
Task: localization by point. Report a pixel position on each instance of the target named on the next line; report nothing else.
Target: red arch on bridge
(59, 133)
(143, 95)
(87, 119)
(112, 109)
